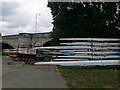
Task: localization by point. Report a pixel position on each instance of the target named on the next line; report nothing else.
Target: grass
(90, 76)
(4, 54)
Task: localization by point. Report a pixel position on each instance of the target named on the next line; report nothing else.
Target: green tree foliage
(96, 19)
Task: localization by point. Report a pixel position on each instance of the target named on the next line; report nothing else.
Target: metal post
(92, 48)
(36, 23)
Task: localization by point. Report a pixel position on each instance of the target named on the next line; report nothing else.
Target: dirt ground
(20, 75)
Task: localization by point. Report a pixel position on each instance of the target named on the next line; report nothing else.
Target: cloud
(4, 24)
(8, 8)
(19, 16)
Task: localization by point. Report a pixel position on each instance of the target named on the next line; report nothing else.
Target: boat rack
(83, 51)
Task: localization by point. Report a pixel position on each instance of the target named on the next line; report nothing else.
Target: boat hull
(22, 55)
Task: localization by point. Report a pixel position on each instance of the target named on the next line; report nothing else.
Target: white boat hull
(81, 63)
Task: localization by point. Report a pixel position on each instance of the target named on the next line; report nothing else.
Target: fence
(84, 51)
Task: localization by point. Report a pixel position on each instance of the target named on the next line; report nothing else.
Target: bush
(5, 54)
(47, 59)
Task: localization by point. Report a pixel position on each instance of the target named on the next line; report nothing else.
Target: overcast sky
(18, 16)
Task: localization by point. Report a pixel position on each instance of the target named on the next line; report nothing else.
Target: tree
(96, 19)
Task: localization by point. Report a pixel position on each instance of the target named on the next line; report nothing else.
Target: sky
(19, 16)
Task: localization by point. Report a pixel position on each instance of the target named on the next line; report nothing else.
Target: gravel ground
(20, 75)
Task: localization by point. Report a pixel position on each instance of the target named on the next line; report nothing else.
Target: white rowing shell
(88, 43)
(81, 63)
(94, 39)
(89, 56)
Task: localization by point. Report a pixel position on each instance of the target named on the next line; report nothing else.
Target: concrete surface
(17, 75)
(0, 72)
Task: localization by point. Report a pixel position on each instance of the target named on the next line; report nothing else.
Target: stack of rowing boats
(84, 51)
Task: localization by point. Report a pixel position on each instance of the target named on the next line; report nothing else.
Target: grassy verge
(91, 76)
(4, 54)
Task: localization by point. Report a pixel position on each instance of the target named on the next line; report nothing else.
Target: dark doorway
(6, 46)
(49, 43)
